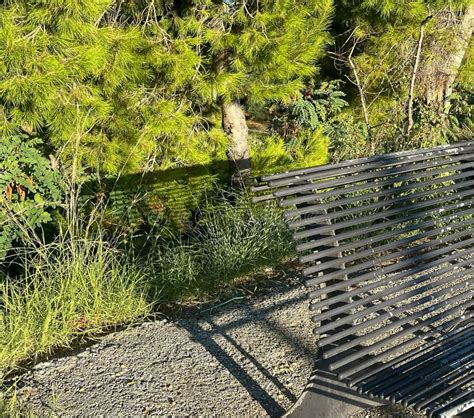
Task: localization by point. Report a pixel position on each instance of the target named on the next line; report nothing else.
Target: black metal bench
(387, 243)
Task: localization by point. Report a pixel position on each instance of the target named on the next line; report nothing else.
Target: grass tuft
(231, 239)
(70, 289)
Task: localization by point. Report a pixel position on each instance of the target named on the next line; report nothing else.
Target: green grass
(70, 289)
(81, 283)
(230, 240)
(12, 406)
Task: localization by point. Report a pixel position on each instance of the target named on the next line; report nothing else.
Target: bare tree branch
(359, 87)
(414, 73)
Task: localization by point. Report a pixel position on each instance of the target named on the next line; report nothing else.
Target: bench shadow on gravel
(207, 338)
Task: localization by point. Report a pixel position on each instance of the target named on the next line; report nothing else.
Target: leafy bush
(309, 131)
(28, 188)
(318, 107)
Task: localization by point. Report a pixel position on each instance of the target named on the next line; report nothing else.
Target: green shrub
(28, 188)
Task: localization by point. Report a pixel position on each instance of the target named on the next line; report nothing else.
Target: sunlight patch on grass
(72, 289)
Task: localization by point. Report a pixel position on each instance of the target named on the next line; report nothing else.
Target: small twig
(223, 304)
(359, 87)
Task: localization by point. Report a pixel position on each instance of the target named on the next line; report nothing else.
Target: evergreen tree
(130, 85)
(403, 58)
(99, 91)
(250, 52)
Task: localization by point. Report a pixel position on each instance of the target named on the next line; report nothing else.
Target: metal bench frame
(387, 243)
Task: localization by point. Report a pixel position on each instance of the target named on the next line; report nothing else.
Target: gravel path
(251, 356)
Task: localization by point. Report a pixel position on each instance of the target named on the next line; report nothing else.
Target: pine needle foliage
(255, 50)
(137, 83)
(67, 77)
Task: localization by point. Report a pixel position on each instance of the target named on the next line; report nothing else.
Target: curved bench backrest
(387, 243)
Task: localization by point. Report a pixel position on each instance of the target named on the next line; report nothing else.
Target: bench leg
(326, 397)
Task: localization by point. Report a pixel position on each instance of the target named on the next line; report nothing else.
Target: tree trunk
(444, 74)
(238, 152)
(455, 61)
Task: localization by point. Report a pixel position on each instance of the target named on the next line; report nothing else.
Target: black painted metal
(388, 245)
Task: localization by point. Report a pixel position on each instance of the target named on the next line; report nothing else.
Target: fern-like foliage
(29, 187)
(317, 107)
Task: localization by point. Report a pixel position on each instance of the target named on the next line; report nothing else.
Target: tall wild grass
(232, 238)
(69, 289)
(56, 290)
(83, 281)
